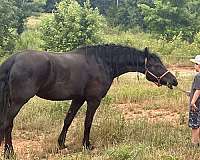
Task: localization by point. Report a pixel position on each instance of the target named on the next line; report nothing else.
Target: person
(194, 107)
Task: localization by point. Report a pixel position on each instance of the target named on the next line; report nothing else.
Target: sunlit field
(136, 120)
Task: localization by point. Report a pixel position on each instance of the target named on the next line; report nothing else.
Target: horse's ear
(146, 51)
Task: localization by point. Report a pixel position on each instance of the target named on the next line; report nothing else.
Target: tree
(8, 21)
(102, 5)
(12, 17)
(25, 9)
(72, 25)
(171, 18)
(50, 5)
(128, 14)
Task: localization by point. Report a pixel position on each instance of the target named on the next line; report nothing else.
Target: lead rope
(181, 90)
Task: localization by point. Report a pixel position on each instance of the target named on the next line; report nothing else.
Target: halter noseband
(157, 78)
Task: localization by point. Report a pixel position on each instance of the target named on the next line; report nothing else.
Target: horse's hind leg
(8, 148)
(74, 107)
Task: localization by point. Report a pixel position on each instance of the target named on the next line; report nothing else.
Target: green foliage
(171, 18)
(127, 15)
(124, 152)
(34, 22)
(161, 17)
(12, 17)
(26, 9)
(197, 39)
(30, 39)
(103, 6)
(50, 5)
(71, 26)
(8, 24)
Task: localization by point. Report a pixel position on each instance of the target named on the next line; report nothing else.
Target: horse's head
(156, 72)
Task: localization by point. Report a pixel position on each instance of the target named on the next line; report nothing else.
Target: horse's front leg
(92, 106)
(74, 107)
(8, 148)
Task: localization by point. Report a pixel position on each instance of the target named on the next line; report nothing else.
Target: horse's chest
(97, 88)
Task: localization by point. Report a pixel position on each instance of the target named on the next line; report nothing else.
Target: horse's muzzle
(174, 82)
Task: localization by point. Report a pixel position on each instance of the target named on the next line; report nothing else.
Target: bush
(29, 40)
(8, 25)
(71, 26)
(197, 40)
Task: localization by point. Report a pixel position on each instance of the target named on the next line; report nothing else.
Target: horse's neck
(131, 63)
(127, 60)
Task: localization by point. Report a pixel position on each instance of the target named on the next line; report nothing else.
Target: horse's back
(56, 77)
(70, 77)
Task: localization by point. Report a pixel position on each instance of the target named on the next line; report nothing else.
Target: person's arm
(194, 99)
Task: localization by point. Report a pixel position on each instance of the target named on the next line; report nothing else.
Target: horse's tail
(4, 90)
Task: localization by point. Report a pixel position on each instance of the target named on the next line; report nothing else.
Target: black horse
(84, 74)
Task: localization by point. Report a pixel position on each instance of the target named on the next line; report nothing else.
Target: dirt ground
(182, 69)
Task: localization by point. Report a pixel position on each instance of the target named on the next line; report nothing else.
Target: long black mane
(116, 56)
(111, 51)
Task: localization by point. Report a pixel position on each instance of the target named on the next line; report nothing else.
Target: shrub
(71, 26)
(30, 39)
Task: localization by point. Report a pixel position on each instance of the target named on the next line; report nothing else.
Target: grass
(115, 138)
(34, 22)
(145, 93)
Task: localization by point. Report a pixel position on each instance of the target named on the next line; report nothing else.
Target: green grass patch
(113, 136)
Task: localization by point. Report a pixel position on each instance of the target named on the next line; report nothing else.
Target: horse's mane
(106, 51)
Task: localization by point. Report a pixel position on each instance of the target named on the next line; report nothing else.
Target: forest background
(170, 28)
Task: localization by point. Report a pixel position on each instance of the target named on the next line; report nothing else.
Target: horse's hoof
(12, 156)
(9, 154)
(88, 147)
(62, 146)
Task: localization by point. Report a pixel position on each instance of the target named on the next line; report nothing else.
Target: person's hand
(187, 93)
(193, 107)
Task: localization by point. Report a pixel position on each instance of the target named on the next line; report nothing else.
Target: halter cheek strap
(158, 78)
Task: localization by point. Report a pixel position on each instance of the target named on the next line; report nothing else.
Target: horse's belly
(61, 92)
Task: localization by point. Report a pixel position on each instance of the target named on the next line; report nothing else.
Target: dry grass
(34, 22)
(114, 136)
